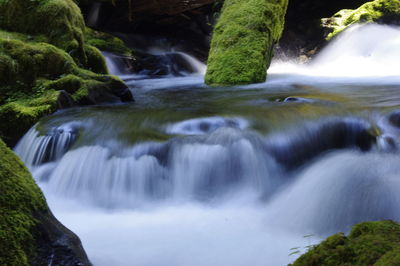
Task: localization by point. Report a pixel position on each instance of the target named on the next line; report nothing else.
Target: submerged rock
(29, 233)
(243, 40)
(383, 11)
(369, 243)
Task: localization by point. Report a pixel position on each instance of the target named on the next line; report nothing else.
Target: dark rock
(29, 233)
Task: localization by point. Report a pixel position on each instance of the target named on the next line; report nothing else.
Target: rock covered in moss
(106, 42)
(39, 78)
(243, 39)
(60, 22)
(369, 243)
(385, 11)
(29, 233)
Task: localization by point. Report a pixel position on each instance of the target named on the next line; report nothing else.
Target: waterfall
(214, 156)
(93, 16)
(36, 149)
(358, 187)
(198, 167)
(196, 65)
(361, 51)
(358, 55)
(192, 175)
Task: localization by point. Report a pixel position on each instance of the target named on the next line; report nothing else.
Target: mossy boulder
(384, 11)
(106, 42)
(39, 78)
(243, 40)
(369, 243)
(29, 233)
(59, 22)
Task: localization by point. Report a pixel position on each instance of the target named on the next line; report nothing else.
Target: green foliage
(20, 200)
(370, 243)
(375, 11)
(243, 39)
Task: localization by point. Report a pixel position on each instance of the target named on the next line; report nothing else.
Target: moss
(25, 62)
(60, 22)
(95, 60)
(18, 116)
(390, 258)
(34, 74)
(20, 200)
(375, 11)
(242, 42)
(106, 42)
(368, 243)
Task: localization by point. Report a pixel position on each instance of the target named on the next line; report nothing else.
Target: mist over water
(194, 175)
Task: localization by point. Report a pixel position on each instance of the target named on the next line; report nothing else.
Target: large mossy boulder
(46, 63)
(369, 243)
(39, 78)
(243, 40)
(29, 233)
(381, 11)
(58, 22)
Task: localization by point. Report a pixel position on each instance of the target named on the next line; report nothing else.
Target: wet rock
(29, 233)
(394, 118)
(304, 144)
(298, 100)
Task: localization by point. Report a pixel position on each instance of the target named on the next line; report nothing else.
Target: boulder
(29, 233)
(381, 11)
(36, 79)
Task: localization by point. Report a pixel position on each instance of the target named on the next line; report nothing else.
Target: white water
(367, 54)
(200, 126)
(218, 195)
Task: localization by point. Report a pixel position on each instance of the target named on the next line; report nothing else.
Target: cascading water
(191, 175)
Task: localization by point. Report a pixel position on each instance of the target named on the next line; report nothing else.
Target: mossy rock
(29, 233)
(369, 243)
(59, 21)
(106, 42)
(95, 60)
(385, 11)
(39, 78)
(243, 40)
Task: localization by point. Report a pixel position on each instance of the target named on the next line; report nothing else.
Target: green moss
(390, 258)
(243, 39)
(375, 11)
(60, 22)
(33, 74)
(18, 116)
(24, 63)
(95, 60)
(106, 42)
(20, 200)
(368, 243)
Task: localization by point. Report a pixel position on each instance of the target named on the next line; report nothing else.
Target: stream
(246, 175)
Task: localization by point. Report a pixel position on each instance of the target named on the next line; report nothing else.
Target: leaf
(294, 252)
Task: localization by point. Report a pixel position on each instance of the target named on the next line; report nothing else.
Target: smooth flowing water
(247, 175)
